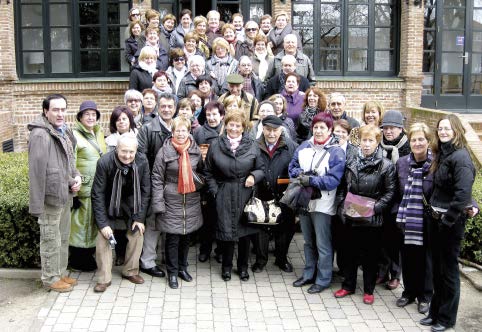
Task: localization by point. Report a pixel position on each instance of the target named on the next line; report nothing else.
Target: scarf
(115, 198)
(263, 65)
(150, 69)
(219, 68)
(410, 211)
(394, 148)
(188, 54)
(234, 142)
(185, 184)
(362, 161)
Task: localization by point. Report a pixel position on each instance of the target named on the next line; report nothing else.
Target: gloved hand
(446, 222)
(305, 180)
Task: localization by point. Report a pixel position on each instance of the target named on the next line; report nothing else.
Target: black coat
(102, 189)
(276, 167)
(140, 79)
(151, 137)
(258, 87)
(274, 85)
(376, 179)
(226, 174)
(452, 181)
(187, 84)
(130, 49)
(206, 134)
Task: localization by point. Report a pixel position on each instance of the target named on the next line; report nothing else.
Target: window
(429, 32)
(352, 37)
(77, 38)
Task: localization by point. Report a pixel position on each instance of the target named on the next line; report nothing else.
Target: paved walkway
(267, 302)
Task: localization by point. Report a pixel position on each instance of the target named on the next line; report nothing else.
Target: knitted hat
(392, 118)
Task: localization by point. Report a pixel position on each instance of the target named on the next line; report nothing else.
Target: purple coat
(294, 104)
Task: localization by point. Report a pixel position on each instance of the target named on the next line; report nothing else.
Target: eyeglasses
(179, 59)
(336, 104)
(133, 101)
(251, 29)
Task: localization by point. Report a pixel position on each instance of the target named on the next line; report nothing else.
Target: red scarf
(321, 143)
(185, 184)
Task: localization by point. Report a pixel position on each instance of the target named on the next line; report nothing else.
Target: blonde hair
(219, 41)
(180, 121)
(226, 27)
(371, 130)
(231, 99)
(371, 104)
(147, 51)
(237, 116)
(199, 19)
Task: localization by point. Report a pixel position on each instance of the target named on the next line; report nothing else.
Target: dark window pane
(330, 60)
(89, 13)
(256, 10)
(302, 14)
(477, 19)
(32, 16)
(61, 62)
(456, 3)
(383, 15)
(429, 40)
(428, 62)
(60, 39)
(165, 8)
(60, 15)
(383, 38)
(90, 61)
(476, 84)
(427, 84)
(330, 14)
(358, 38)
(357, 60)
(306, 35)
(357, 15)
(429, 17)
(32, 39)
(330, 37)
(33, 63)
(113, 14)
(454, 18)
(114, 61)
(451, 84)
(383, 60)
(114, 38)
(89, 38)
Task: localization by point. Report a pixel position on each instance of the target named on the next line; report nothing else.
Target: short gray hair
(132, 94)
(337, 95)
(197, 59)
(128, 137)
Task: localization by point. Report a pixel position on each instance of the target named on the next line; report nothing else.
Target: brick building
(381, 50)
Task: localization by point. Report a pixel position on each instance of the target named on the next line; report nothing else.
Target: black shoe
(256, 268)
(203, 257)
(286, 266)
(423, 307)
(403, 301)
(226, 274)
(184, 275)
(439, 327)
(427, 321)
(154, 271)
(173, 282)
(301, 282)
(218, 258)
(244, 275)
(315, 289)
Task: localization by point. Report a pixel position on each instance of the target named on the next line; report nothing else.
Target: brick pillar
(277, 6)
(411, 53)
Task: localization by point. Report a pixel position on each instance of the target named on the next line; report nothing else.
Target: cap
(392, 118)
(272, 121)
(235, 79)
(88, 105)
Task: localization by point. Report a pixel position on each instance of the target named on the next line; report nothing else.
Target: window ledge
(71, 80)
(356, 79)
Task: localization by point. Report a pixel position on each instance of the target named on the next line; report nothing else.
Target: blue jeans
(316, 228)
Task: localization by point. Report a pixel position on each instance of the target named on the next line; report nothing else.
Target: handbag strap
(325, 151)
(94, 144)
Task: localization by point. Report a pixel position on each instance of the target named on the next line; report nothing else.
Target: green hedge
(472, 245)
(19, 232)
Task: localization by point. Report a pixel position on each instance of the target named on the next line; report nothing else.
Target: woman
(280, 110)
(133, 101)
(177, 69)
(233, 167)
(185, 108)
(371, 175)
(372, 114)
(246, 46)
(166, 29)
(318, 163)
(134, 15)
(200, 27)
(232, 103)
(221, 64)
(294, 97)
(152, 18)
(314, 103)
(204, 84)
(162, 83)
(262, 60)
(132, 43)
(190, 45)
(265, 108)
(229, 34)
(185, 26)
(121, 121)
(453, 177)
(277, 34)
(90, 147)
(141, 74)
(149, 106)
(342, 129)
(175, 201)
(197, 67)
(197, 101)
(415, 183)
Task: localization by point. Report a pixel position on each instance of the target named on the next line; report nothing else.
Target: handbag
(359, 208)
(258, 212)
(199, 180)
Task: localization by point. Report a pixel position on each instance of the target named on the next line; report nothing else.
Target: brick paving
(267, 302)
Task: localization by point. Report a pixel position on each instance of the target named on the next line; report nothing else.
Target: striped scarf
(410, 212)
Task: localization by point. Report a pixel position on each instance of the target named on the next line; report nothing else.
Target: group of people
(172, 167)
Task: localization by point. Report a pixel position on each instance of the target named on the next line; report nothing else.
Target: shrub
(472, 244)
(19, 232)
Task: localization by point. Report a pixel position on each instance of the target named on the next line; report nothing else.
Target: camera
(112, 242)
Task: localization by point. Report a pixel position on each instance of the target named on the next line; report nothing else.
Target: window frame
(75, 49)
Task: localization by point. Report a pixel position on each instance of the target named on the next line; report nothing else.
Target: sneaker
(59, 286)
(368, 299)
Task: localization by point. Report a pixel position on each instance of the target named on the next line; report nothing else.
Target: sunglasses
(179, 59)
(251, 29)
(135, 14)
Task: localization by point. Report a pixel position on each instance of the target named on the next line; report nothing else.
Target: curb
(20, 273)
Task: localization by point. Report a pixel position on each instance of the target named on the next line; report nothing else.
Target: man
(251, 83)
(276, 84)
(53, 181)
(336, 106)
(395, 144)
(303, 62)
(151, 138)
(238, 22)
(214, 29)
(249, 104)
(204, 135)
(276, 153)
(265, 24)
(120, 198)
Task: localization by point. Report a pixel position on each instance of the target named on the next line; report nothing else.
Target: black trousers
(364, 248)
(177, 249)
(207, 231)
(227, 248)
(390, 265)
(445, 245)
(82, 259)
(338, 242)
(282, 233)
(417, 272)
